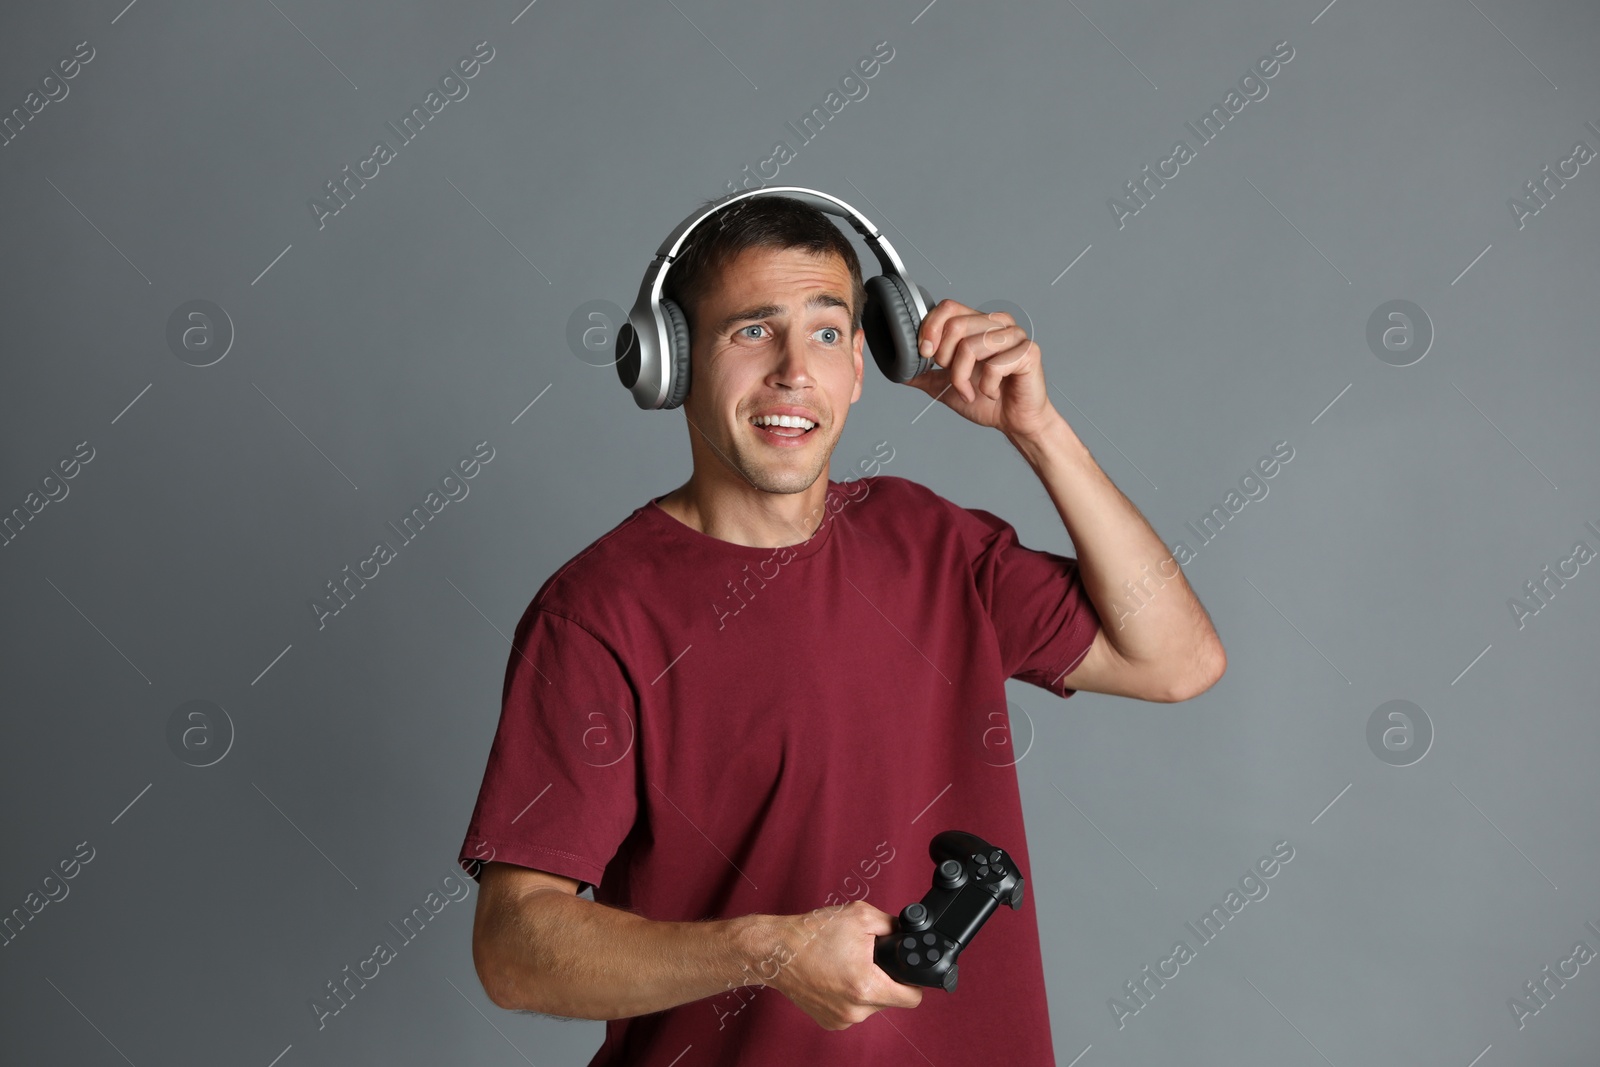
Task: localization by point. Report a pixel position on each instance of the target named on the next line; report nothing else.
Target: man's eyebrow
(771, 311)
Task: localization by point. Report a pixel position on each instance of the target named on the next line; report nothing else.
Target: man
(751, 704)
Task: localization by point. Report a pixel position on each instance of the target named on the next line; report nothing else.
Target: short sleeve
(559, 791)
(1042, 616)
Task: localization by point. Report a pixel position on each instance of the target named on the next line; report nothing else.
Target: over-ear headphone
(653, 345)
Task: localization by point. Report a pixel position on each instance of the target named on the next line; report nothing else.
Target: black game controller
(971, 879)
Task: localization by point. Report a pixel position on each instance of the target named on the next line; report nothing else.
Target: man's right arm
(538, 946)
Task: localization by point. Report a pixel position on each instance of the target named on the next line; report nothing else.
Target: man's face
(775, 333)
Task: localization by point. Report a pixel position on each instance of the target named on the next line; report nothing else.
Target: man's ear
(861, 337)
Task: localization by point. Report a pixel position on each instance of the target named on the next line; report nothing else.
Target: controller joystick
(971, 879)
(950, 874)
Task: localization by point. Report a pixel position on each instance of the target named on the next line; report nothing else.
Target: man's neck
(750, 517)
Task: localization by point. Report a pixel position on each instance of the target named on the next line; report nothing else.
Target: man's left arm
(1164, 649)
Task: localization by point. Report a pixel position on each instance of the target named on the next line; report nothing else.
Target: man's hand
(829, 973)
(989, 372)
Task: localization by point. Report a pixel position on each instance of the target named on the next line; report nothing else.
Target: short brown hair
(756, 222)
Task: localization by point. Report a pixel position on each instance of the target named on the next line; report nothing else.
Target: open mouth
(783, 435)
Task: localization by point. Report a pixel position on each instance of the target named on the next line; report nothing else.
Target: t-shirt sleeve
(1044, 619)
(559, 792)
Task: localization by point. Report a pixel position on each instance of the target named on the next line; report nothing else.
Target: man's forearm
(563, 955)
(1170, 630)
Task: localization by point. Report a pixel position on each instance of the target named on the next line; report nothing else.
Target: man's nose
(794, 363)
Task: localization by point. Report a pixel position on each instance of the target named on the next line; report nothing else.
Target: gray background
(1228, 315)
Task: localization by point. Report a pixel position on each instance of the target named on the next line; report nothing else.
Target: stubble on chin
(780, 478)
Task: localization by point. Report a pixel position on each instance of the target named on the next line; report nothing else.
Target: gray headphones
(653, 345)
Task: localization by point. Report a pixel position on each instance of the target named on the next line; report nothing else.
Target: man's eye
(833, 331)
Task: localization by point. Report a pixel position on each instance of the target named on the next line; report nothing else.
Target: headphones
(653, 345)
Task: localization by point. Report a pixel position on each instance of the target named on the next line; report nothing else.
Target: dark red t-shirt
(700, 730)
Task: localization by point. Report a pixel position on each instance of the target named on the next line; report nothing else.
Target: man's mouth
(782, 429)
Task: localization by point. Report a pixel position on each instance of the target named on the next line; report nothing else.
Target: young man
(750, 705)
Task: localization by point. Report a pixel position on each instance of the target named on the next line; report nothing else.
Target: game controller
(971, 878)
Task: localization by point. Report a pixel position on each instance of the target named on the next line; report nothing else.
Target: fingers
(958, 339)
(881, 991)
(1002, 365)
(971, 374)
(898, 994)
(837, 982)
(870, 995)
(949, 321)
(873, 920)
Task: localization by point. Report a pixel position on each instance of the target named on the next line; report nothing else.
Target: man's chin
(775, 478)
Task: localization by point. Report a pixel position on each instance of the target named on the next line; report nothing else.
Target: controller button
(983, 872)
(930, 939)
(933, 955)
(951, 874)
(910, 942)
(995, 857)
(913, 959)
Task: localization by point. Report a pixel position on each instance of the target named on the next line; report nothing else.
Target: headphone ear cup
(890, 322)
(677, 354)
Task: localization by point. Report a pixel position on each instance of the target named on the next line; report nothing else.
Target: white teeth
(783, 420)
